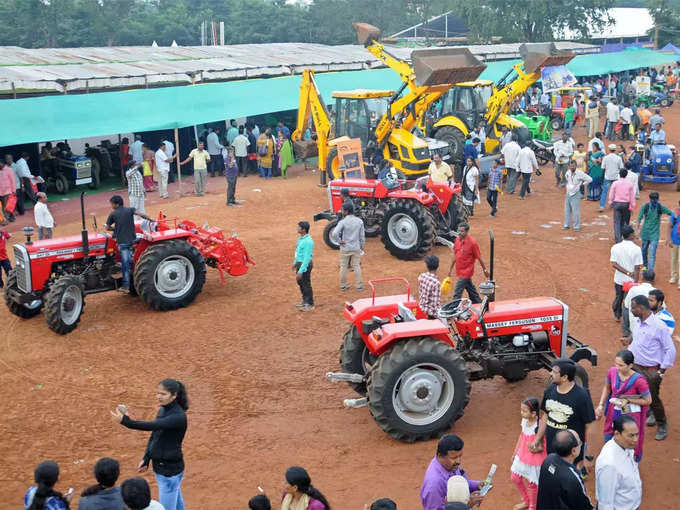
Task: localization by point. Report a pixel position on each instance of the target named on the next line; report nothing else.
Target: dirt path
(255, 367)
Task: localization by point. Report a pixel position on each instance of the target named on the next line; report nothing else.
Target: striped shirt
(135, 182)
(666, 317)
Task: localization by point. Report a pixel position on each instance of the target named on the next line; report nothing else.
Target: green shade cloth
(61, 117)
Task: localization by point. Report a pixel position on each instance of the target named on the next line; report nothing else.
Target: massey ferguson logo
(523, 322)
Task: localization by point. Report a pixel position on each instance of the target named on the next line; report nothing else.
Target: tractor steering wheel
(454, 309)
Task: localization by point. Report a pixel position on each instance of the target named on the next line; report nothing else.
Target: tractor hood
(662, 153)
(66, 248)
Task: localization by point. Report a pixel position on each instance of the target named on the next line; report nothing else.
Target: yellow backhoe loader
(384, 120)
(466, 104)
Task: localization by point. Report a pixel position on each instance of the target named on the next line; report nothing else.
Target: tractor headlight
(658, 160)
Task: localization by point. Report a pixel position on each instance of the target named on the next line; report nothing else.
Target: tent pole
(179, 170)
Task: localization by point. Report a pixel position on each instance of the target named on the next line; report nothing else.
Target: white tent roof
(626, 22)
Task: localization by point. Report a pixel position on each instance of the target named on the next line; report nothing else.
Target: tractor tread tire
(144, 272)
(456, 140)
(426, 229)
(53, 304)
(383, 377)
(327, 235)
(96, 174)
(351, 357)
(17, 308)
(332, 155)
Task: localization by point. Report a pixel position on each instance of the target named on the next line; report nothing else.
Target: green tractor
(539, 125)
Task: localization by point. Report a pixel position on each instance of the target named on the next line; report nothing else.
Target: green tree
(666, 16)
(532, 20)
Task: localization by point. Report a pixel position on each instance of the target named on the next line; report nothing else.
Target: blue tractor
(660, 164)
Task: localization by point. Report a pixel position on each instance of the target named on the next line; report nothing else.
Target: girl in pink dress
(526, 465)
(625, 391)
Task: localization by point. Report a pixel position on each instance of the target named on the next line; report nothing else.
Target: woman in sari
(595, 172)
(286, 157)
(147, 169)
(625, 392)
(300, 494)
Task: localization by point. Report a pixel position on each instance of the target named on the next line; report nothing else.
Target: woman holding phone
(164, 449)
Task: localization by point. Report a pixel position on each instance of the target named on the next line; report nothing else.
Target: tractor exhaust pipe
(83, 232)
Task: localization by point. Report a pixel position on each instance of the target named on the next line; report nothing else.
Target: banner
(556, 77)
(642, 85)
(349, 157)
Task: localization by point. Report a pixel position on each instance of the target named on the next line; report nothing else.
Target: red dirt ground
(255, 367)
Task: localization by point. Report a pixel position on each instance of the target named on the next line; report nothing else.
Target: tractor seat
(372, 324)
(405, 313)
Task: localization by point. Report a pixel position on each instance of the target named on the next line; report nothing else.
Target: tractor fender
(419, 196)
(326, 215)
(385, 337)
(584, 353)
(452, 121)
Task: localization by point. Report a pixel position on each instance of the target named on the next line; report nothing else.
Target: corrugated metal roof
(77, 69)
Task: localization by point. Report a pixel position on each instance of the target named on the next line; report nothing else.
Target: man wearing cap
(612, 164)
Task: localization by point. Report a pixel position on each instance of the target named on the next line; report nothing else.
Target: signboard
(642, 85)
(349, 157)
(556, 77)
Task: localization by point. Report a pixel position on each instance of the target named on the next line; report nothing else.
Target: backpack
(263, 148)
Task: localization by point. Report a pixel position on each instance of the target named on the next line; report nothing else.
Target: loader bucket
(439, 66)
(366, 33)
(537, 55)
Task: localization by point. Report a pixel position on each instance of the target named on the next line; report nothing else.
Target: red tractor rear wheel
(169, 275)
(408, 230)
(418, 389)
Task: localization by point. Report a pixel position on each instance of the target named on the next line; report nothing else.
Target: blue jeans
(266, 172)
(648, 260)
(569, 126)
(170, 492)
(605, 191)
(125, 263)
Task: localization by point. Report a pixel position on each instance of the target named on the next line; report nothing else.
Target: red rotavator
(414, 373)
(168, 268)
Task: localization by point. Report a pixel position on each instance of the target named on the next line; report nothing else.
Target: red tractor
(414, 373)
(168, 268)
(409, 216)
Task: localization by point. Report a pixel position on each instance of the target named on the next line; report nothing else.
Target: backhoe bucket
(537, 55)
(439, 66)
(366, 33)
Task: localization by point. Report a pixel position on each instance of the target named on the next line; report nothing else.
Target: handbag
(11, 204)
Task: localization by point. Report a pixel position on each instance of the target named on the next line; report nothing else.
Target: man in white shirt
(526, 163)
(510, 153)
(137, 150)
(170, 153)
(23, 174)
(563, 150)
(506, 136)
(240, 144)
(626, 119)
(626, 259)
(163, 167)
(633, 178)
(574, 179)
(43, 218)
(612, 164)
(215, 150)
(613, 115)
(617, 479)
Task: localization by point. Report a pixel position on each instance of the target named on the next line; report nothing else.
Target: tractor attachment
(537, 55)
(440, 66)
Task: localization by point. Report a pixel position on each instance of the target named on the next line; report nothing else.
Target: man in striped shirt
(430, 288)
(656, 303)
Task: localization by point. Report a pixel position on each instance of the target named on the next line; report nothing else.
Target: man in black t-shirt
(565, 406)
(122, 222)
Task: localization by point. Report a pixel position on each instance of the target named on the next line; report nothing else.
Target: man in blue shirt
(303, 266)
(283, 129)
(658, 136)
(674, 244)
(471, 150)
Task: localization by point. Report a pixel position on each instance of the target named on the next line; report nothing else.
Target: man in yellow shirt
(439, 170)
(200, 157)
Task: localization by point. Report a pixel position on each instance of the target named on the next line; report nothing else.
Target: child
(580, 157)
(526, 465)
(4, 259)
(494, 187)
(43, 218)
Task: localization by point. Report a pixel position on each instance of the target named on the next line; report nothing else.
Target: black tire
(665, 102)
(328, 235)
(18, 309)
(172, 258)
(643, 105)
(556, 123)
(542, 159)
(387, 372)
(354, 356)
(372, 230)
(64, 304)
(415, 215)
(458, 212)
(456, 140)
(333, 165)
(61, 184)
(96, 174)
